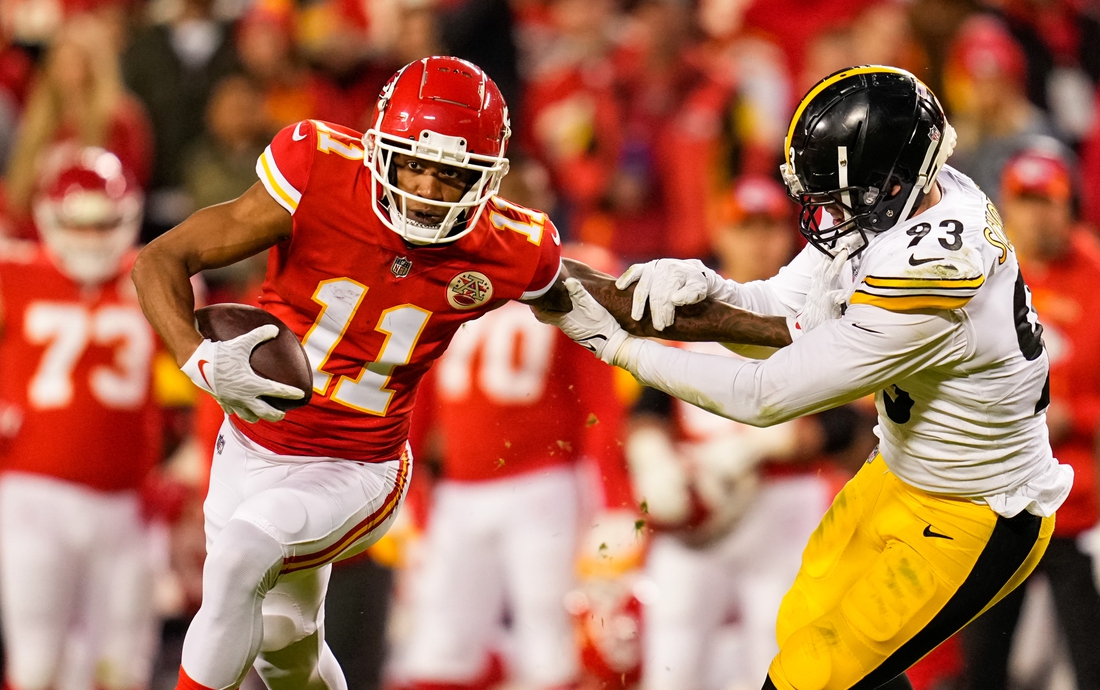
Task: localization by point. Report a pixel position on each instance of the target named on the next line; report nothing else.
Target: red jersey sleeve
(285, 164)
(546, 272)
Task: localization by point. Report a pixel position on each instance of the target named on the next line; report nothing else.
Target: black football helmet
(867, 141)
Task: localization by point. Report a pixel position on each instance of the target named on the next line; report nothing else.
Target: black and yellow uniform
(959, 506)
(890, 573)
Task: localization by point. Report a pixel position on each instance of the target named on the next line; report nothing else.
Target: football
(280, 359)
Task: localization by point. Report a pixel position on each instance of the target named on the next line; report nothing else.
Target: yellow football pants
(890, 573)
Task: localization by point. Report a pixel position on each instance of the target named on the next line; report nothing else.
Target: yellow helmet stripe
(824, 84)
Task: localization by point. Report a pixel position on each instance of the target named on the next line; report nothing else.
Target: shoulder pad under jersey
(928, 263)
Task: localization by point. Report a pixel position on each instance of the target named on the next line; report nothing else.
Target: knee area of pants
(805, 661)
(890, 595)
(281, 630)
(288, 618)
(244, 556)
(795, 613)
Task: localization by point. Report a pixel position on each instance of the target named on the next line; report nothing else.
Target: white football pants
(274, 525)
(74, 563)
(509, 542)
(746, 573)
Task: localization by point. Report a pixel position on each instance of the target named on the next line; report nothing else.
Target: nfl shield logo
(401, 267)
(221, 443)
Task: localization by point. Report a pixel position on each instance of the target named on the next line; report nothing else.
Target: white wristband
(201, 361)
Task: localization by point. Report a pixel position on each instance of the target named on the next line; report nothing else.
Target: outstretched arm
(708, 321)
(835, 363)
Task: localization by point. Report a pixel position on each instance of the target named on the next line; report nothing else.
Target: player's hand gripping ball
(275, 377)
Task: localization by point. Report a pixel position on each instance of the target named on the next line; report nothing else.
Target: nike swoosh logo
(864, 328)
(298, 136)
(588, 345)
(929, 533)
(202, 372)
(914, 261)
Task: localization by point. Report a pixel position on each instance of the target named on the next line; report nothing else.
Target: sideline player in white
(957, 507)
(79, 433)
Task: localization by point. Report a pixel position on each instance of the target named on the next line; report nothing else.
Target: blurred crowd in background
(646, 128)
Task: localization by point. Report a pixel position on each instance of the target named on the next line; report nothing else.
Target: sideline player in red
(510, 506)
(382, 245)
(79, 433)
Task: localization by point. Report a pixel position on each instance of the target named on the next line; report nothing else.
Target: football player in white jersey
(908, 289)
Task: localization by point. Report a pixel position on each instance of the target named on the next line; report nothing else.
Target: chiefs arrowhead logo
(469, 289)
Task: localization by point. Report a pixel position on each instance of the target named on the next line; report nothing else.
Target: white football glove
(667, 284)
(825, 298)
(589, 323)
(222, 369)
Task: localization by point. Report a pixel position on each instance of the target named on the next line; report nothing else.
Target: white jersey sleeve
(838, 362)
(781, 295)
(941, 329)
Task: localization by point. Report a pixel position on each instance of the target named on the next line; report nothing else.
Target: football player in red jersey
(506, 515)
(78, 433)
(382, 245)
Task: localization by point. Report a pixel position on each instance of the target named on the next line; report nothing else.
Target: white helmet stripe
(842, 174)
(923, 182)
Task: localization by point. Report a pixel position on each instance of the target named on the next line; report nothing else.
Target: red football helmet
(87, 211)
(444, 110)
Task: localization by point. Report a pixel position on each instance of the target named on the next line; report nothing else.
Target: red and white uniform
(373, 313)
(519, 405)
(714, 607)
(79, 431)
(371, 332)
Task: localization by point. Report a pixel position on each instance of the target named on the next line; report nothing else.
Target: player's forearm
(212, 237)
(163, 283)
(837, 362)
(725, 386)
(707, 321)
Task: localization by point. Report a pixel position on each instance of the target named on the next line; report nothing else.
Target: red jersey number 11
(340, 299)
